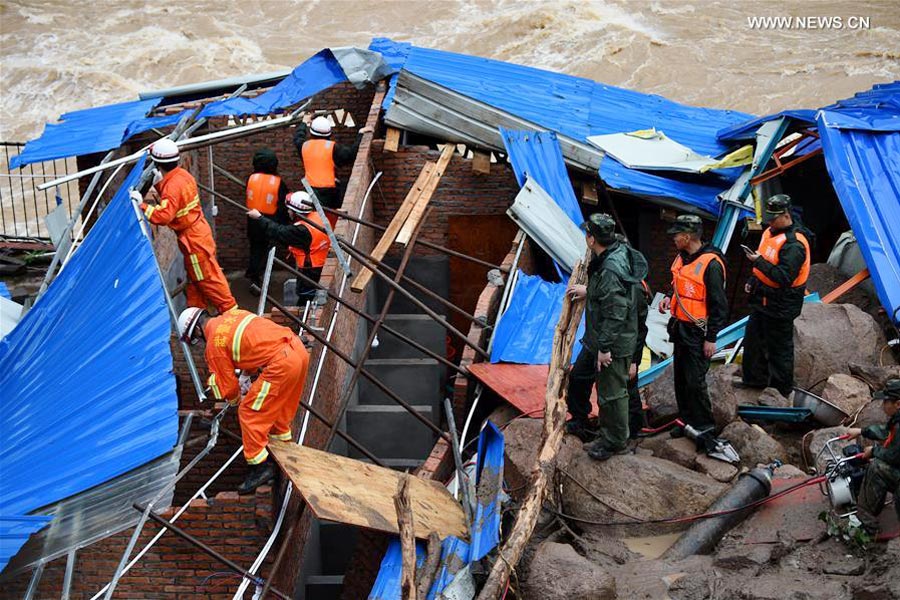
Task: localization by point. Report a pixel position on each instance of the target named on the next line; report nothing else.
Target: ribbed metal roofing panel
(88, 391)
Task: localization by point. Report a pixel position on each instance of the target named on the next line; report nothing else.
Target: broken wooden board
(392, 139)
(481, 162)
(523, 386)
(422, 203)
(362, 279)
(345, 490)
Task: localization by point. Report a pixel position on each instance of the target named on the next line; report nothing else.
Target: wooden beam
(392, 139)
(846, 286)
(407, 539)
(589, 193)
(349, 491)
(551, 439)
(425, 197)
(426, 574)
(481, 162)
(360, 282)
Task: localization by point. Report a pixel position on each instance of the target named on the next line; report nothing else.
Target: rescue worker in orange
(179, 209)
(776, 288)
(273, 366)
(321, 155)
(308, 245)
(266, 192)
(699, 310)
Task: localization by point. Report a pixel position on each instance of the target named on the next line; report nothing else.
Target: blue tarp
(454, 556)
(525, 332)
(747, 131)
(84, 132)
(4, 291)
(865, 169)
(489, 469)
(577, 108)
(88, 391)
(537, 156)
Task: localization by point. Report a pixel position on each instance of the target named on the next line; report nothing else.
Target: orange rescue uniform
(179, 209)
(262, 193)
(239, 339)
(318, 163)
(770, 247)
(689, 287)
(318, 245)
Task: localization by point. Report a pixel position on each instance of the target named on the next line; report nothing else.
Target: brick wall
(236, 157)
(233, 525)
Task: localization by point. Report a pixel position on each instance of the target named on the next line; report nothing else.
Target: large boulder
(846, 392)
(874, 375)
(753, 444)
(522, 439)
(681, 451)
(634, 487)
(557, 572)
(724, 396)
(828, 337)
(715, 468)
(816, 444)
(871, 414)
(660, 397)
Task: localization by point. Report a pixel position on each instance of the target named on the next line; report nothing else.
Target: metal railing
(22, 206)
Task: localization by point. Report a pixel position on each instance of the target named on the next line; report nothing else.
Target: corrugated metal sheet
(15, 531)
(537, 156)
(88, 389)
(84, 132)
(97, 513)
(548, 225)
(486, 526)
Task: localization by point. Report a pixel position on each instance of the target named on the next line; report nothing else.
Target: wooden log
(425, 197)
(360, 282)
(407, 539)
(392, 139)
(429, 570)
(551, 439)
(481, 162)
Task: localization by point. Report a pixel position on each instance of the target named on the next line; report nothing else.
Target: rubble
(717, 469)
(817, 441)
(725, 396)
(772, 397)
(828, 337)
(753, 444)
(846, 392)
(823, 278)
(875, 376)
(659, 395)
(557, 571)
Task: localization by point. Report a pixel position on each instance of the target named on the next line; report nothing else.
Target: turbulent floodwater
(59, 55)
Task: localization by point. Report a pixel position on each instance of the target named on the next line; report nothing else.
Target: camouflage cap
(602, 226)
(891, 391)
(777, 205)
(687, 224)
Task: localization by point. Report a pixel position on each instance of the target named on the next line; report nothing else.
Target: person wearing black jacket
(776, 288)
(699, 311)
(298, 238)
(263, 182)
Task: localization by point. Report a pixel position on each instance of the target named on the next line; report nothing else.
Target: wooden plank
(425, 197)
(392, 139)
(846, 286)
(405, 521)
(481, 162)
(523, 386)
(360, 282)
(349, 491)
(589, 193)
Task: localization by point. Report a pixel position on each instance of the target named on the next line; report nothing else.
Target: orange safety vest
(318, 245)
(262, 193)
(688, 286)
(769, 248)
(318, 163)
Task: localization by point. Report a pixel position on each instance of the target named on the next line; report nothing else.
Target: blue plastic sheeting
(726, 337)
(317, 73)
(486, 528)
(142, 125)
(4, 291)
(747, 130)
(14, 532)
(454, 556)
(537, 156)
(865, 169)
(877, 109)
(88, 388)
(575, 107)
(525, 332)
(84, 132)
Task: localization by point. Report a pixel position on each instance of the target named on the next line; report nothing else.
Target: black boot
(258, 475)
(581, 429)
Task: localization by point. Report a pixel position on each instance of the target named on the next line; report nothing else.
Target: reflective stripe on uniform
(211, 382)
(282, 437)
(195, 263)
(236, 342)
(261, 396)
(153, 207)
(262, 456)
(190, 206)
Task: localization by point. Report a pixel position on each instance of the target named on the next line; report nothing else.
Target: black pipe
(703, 535)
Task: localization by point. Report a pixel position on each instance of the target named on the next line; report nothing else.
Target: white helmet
(164, 151)
(321, 127)
(300, 202)
(187, 321)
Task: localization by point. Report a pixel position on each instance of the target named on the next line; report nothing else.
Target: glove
(136, 196)
(245, 382)
(215, 210)
(157, 176)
